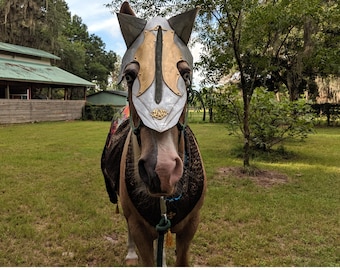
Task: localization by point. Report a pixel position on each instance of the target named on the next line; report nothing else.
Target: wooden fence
(331, 111)
(24, 111)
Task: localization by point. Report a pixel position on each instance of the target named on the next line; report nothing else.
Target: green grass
(54, 210)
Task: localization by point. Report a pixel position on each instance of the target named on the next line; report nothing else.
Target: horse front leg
(183, 240)
(143, 238)
(131, 258)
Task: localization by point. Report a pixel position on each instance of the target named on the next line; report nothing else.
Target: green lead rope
(162, 227)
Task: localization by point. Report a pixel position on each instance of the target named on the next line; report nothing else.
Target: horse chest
(189, 191)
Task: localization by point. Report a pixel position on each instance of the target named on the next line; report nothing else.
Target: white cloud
(88, 9)
(101, 22)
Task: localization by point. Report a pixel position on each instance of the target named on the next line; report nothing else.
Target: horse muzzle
(161, 177)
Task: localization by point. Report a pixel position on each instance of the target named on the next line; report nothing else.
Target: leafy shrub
(271, 121)
(99, 112)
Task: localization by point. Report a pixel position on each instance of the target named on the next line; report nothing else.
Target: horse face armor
(159, 92)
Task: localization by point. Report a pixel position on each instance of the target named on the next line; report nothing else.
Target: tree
(99, 63)
(85, 54)
(48, 25)
(34, 24)
(269, 42)
(221, 32)
(197, 97)
(326, 54)
(272, 120)
(226, 37)
(72, 56)
(208, 98)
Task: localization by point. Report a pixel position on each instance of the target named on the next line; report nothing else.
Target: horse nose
(169, 170)
(162, 176)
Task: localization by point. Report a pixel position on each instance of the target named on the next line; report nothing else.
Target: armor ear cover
(183, 24)
(131, 27)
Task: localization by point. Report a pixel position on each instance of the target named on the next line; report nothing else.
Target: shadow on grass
(273, 155)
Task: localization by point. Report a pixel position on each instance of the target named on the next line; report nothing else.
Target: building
(114, 98)
(32, 89)
(25, 72)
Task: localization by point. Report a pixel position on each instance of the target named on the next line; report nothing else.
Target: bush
(271, 121)
(99, 112)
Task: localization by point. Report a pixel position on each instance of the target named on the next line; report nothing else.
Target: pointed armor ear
(130, 25)
(183, 24)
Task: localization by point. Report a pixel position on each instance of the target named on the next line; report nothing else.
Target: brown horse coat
(191, 185)
(153, 158)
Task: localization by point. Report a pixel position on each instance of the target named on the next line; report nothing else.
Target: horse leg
(131, 258)
(143, 239)
(183, 240)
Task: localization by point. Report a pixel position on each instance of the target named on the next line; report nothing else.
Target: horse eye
(185, 71)
(131, 72)
(130, 77)
(186, 77)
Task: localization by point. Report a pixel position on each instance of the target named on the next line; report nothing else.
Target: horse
(151, 160)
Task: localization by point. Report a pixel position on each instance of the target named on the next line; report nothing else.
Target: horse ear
(183, 24)
(130, 25)
(126, 9)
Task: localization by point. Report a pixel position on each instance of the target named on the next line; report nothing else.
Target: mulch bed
(262, 178)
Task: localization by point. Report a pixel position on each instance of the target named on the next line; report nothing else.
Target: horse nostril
(148, 176)
(142, 171)
(147, 172)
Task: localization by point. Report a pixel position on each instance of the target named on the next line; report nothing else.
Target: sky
(101, 22)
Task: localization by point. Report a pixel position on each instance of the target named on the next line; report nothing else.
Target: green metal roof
(112, 92)
(19, 71)
(115, 98)
(26, 51)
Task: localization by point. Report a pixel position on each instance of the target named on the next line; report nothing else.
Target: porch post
(7, 92)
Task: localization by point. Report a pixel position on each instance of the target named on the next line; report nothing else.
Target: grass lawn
(54, 210)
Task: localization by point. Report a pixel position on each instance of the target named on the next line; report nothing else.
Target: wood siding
(24, 111)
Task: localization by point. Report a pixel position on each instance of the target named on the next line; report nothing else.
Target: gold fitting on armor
(159, 113)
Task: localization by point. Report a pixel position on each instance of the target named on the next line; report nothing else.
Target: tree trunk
(246, 131)
(204, 113)
(210, 114)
